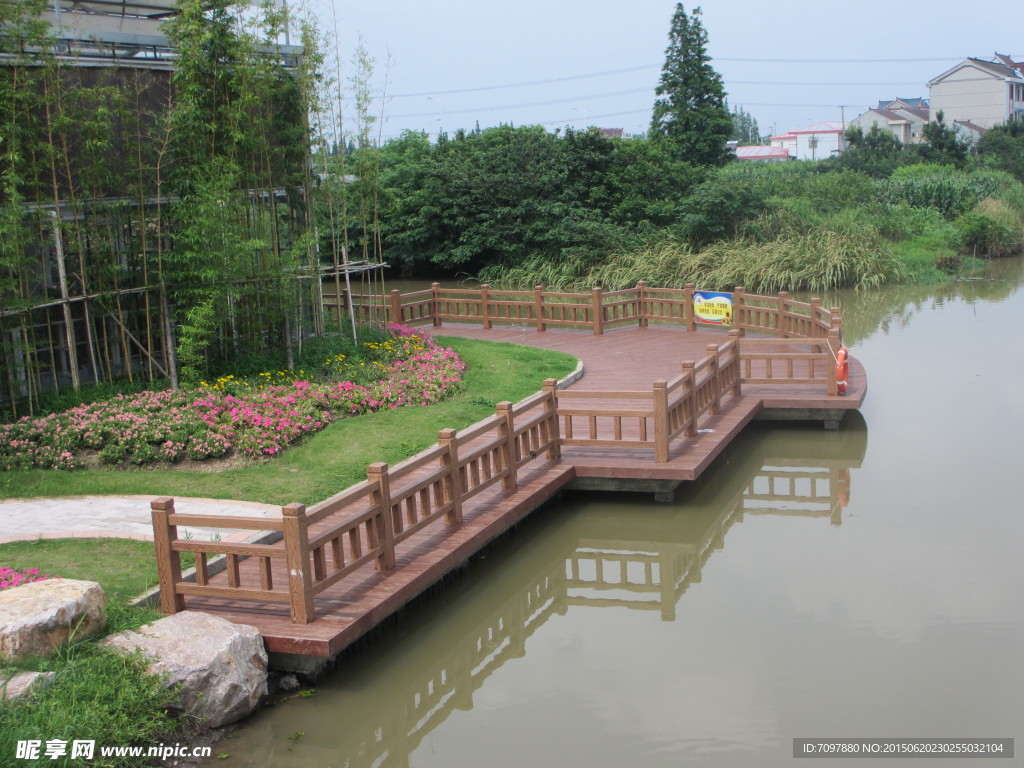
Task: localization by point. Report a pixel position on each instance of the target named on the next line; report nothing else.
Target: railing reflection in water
(634, 564)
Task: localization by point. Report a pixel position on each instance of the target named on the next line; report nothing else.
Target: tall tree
(744, 127)
(690, 113)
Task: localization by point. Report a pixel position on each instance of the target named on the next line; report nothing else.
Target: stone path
(126, 517)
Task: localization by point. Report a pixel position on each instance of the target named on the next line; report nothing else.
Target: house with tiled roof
(904, 118)
(915, 103)
(981, 93)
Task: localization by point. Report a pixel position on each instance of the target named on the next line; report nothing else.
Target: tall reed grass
(817, 261)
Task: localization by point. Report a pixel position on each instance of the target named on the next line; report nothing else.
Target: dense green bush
(982, 235)
(715, 209)
(946, 191)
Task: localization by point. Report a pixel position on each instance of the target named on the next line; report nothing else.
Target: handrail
(365, 524)
(779, 314)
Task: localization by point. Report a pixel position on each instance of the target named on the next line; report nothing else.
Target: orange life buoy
(843, 489)
(842, 369)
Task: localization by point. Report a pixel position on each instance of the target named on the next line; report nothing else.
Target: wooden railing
(597, 310)
(364, 524)
(653, 419)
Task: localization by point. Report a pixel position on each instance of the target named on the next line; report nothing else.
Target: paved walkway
(125, 517)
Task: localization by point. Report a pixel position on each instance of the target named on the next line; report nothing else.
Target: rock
(23, 684)
(289, 683)
(37, 617)
(221, 667)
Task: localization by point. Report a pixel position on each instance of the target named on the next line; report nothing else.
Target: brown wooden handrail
(597, 310)
(365, 524)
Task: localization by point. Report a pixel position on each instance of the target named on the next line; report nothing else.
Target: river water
(861, 583)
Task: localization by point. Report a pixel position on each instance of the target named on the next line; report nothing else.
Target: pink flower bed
(209, 423)
(12, 578)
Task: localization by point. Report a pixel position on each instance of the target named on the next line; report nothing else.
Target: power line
(839, 61)
(526, 83)
(640, 67)
(562, 100)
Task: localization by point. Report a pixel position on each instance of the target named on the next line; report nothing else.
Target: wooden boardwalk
(345, 565)
(632, 359)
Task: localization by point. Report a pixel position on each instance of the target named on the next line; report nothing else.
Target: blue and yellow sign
(712, 308)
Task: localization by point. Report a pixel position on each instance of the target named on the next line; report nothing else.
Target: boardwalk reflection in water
(590, 551)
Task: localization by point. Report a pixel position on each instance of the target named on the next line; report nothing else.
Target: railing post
(377, 473)
(716, 386)
(538, 303)
(816, 330)
(833, 344)
(784, 325)
(691, 318)
(485, 305)
(641, 302)
(690, 394)
(435, 303)
(598, 311)
(396, 306)
(168, 562)
(553, 435)
(836, 323)
(296, 552)
(509, 446)
(735, 335)
(738, 320)
(660, 421)
(446, 438)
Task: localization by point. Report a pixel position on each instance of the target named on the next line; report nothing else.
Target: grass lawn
(107, 697)
(124, 568)
(335, 458)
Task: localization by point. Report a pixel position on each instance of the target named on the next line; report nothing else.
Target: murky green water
(865, 583)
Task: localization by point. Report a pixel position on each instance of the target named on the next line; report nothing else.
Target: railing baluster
(266, 577)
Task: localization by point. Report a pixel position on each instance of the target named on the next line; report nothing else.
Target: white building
(903, 118)
(816, 141)
(979, 93)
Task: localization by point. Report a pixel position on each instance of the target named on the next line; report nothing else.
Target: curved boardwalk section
(658, 402)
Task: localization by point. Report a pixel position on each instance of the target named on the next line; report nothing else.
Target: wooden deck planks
(623, 359)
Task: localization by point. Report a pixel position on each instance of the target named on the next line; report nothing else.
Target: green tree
(877, 153)
(1002, 147)
(690, 114)
(744, 127)
(943, 145)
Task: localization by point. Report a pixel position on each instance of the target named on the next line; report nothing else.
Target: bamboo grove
(158, 215)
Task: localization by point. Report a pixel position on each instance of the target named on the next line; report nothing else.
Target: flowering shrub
(12, 578)
(254, 417)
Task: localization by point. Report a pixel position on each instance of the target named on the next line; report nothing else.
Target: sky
(449, 64)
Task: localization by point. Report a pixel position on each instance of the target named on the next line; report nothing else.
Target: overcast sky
(454, 63)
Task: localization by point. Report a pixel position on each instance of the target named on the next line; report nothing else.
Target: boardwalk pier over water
(658, 401)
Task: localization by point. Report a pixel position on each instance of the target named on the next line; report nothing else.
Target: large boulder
(23, 684)
(221, 667)
(37, 617)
